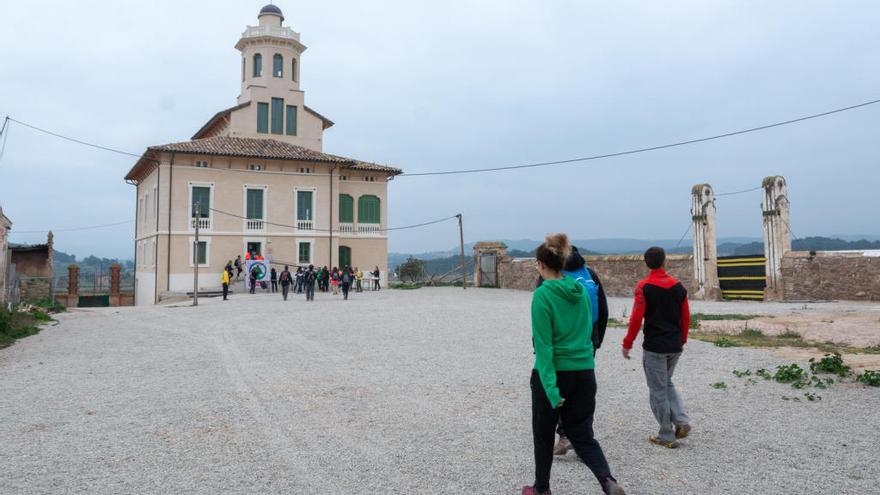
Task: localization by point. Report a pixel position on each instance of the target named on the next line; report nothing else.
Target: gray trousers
(666, 404)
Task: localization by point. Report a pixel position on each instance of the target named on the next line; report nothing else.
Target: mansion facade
(255, 178)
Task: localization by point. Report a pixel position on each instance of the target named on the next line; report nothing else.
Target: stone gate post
(705, 243)
(72, 286)
(777, 233)
(114, 284)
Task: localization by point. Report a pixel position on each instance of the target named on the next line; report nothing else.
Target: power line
(644, 150)
(537, 164)
(4, 135)
(405, 227)
(683, 235)
(739, 192)
(71, 229)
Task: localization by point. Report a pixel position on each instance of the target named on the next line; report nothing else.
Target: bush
(51, 306)
(15, 326)
(725, 342)
(405, 285)
(831, 363)
(869, 378)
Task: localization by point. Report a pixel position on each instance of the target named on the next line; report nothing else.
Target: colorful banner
(260, 269)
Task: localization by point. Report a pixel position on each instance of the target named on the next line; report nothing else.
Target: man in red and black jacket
(661, 301)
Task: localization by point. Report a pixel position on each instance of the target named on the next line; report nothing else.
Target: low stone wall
(825, 275)
(619, 274)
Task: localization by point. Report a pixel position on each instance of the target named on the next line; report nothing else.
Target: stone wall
(619, 274)
(825, 275)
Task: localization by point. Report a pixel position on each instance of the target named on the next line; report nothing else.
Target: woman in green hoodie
(563, 382)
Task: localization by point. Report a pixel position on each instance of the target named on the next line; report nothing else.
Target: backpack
(285, 276)
(583, 277)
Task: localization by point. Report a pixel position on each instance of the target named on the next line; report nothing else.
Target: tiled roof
(217, 116)
(265, 148)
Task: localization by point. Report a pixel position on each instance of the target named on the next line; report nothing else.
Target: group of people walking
(304, 280)
(569, 316)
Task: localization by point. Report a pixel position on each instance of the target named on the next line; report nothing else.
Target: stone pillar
(114, 284)
(72, 286)
(706, 284)
(777, 233)
(499, 249)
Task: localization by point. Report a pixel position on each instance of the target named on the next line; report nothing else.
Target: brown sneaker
(669, 444)
(682, 431)
(562, 446)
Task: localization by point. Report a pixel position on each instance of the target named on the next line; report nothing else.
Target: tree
(412, 269)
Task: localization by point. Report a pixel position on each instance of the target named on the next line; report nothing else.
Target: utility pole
(463, 269)
(198, 207)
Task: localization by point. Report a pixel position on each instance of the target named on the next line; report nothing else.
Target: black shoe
(610, 487)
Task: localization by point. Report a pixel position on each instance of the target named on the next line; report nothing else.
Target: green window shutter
(258, 65)
(369, 209)
(277, 116)
(344, 256)
(201, 195)
(202, 252)
(346, 208)
(255, 204)
(293, 69)
(263, 118)
(278, 65)
(304, 205)
(305, 252)
(291, 120)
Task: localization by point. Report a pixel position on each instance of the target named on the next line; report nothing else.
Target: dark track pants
(345, 289)
(579, 390)
(225, 291)
(284, 289)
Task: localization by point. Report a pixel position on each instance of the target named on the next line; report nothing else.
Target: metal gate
(742, 277)
(488, 270)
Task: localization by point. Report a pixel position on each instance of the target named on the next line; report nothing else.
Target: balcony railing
(346, 228)
(203, 223)
(369, 228)
(305, 224)
(254, 225)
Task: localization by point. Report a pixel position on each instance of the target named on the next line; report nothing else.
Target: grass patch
(869, 378)
(719, 385)
(50, 306)
(14, 326)
(696, 318)
(755, 338)
(614, 322)
(831, 363)
(405, 285)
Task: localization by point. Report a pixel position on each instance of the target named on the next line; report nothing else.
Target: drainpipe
(156, 244)
(136, 223)
(330, 266)
(168, 254)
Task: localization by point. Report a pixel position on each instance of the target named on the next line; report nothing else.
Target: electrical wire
(4, 136)
(684, 235)
(739, 192)
(405, 227)
(71, 229)
(644, 150)
(78, 141)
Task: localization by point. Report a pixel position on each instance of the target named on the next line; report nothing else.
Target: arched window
(293, 69)
(369, 209)
(278, 65)
(346, 208)
(258, 65)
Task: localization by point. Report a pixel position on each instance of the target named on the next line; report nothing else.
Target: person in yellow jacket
(224, 279)
(358, 277)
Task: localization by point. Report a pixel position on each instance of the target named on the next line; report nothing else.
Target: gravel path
(406, 392)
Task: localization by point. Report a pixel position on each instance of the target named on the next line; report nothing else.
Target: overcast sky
(455, 84)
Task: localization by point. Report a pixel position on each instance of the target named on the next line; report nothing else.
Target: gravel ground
(407, 392)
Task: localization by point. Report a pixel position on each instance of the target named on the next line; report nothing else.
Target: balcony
(346, 228)
(203, 223)
(305, 225)
(254, 225)
(369, 229)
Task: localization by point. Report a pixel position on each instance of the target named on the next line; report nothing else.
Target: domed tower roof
(271, 10)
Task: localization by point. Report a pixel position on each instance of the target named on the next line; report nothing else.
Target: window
(277, 116)
(254, 205)
(258, 65)
(304, 257)
(343, 177)
(200, 164)
(263, 118)
(142, 210)
(291, 120)
(305, 170)
(293, 69)
(278, 65)
(243, 63)
(255, 167)
(369, 179)
(344, 256)
(346, 208)
(202, 196)
(368, 209)
(201, 252)
(304, 201)
(156, 201)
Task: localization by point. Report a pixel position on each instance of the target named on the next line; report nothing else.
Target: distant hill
(811, 244)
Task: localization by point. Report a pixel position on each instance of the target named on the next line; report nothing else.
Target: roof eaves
(217, 116)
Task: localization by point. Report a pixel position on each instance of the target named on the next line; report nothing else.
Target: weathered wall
(846, 275)
(619, 274)
(32, 263)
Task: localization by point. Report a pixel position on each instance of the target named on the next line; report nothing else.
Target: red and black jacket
(662, 302)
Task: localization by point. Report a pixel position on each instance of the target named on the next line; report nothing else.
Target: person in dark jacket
(286, 279)
(575, 264)
(345, 282)
(309, 279)
(661, 303)
(273, 277)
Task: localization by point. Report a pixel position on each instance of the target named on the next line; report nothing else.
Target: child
(563, 381)
(662, 302)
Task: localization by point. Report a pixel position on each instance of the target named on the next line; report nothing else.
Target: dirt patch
(856, 329)
(858, 362)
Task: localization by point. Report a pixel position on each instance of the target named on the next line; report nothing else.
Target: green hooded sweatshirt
(562, 325)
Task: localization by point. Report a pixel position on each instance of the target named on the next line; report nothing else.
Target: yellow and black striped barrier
(742, 277)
